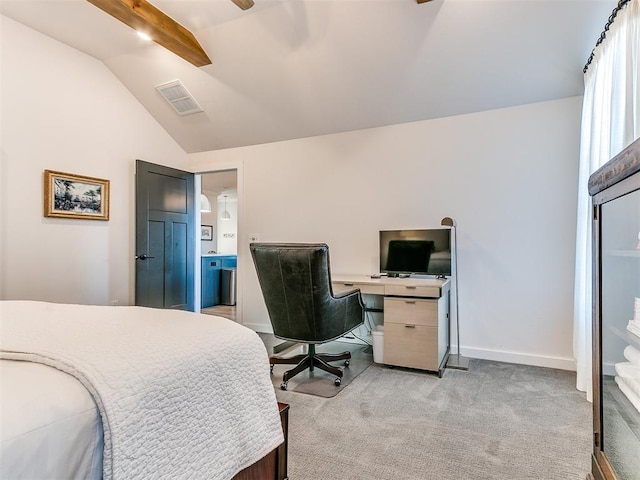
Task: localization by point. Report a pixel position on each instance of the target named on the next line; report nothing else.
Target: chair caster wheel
(337, 382)
(271, 368)
(283, 385)
(347, 362)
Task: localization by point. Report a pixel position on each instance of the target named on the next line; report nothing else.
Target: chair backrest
(296, 286)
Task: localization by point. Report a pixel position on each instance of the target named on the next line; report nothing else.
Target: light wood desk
(416, 318)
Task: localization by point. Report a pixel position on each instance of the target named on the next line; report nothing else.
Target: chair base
(310, 360)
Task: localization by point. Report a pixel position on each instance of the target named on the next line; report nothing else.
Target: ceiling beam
(144, 17)
(243, 4)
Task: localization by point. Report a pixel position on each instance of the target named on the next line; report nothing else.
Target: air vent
(179, 98)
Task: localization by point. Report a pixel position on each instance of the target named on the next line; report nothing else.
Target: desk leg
(444, 363)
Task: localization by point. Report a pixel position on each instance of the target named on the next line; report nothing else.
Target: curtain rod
(612, 17)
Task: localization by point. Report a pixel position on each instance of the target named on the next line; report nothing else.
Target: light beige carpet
(496, 421)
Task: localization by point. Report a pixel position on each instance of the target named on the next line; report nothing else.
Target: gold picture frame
(67, 195)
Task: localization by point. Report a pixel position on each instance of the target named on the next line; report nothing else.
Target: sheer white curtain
(610, 122)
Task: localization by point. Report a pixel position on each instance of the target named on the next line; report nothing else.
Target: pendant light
(225, 214)
(205, 204)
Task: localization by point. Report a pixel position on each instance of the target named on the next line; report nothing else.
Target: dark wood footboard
(272, 466)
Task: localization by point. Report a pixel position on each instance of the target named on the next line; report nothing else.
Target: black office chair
(296, 285)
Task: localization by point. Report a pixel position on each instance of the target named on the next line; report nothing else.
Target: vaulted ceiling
(288, 69)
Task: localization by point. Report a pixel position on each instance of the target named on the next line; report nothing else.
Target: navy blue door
(165, 239)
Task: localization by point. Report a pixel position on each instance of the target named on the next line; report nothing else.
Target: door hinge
(596, 439)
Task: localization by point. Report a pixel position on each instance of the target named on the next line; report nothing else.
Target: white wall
(64, 110)
(507, 176)
(228, 229)
(210, 218)
(224, 231)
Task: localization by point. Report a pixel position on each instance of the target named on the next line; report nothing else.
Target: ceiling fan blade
(144, 17)
(244, 4)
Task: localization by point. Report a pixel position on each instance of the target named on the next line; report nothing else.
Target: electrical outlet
(254, 237)
(115, 303)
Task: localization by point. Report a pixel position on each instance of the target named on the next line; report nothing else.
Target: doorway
(219, 243)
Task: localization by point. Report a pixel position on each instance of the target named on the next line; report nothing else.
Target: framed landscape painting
(68, 195)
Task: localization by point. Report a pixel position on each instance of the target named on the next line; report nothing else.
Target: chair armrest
(351, 297)
(346, 293)
(343, 312)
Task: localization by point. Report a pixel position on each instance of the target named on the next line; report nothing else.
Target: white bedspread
(181, 395)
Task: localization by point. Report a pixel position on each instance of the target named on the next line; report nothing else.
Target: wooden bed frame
(272, 466)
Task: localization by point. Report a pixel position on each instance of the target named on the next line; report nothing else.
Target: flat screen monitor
(415, 252)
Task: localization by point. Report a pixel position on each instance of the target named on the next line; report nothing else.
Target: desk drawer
(413, 346)
(412, 291)
(365, 289)
(411, 311)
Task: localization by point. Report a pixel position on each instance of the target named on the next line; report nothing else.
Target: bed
(98, 392)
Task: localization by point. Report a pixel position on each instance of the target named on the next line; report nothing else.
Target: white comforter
(181, 395)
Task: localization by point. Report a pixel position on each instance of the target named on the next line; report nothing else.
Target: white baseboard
(520, 358)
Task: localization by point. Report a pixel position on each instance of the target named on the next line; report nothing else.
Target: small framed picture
(67, 195)
(206, 232)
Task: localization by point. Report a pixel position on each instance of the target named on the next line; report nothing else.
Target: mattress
(49, 413)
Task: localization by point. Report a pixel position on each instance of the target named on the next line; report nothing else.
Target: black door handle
(144, 256)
